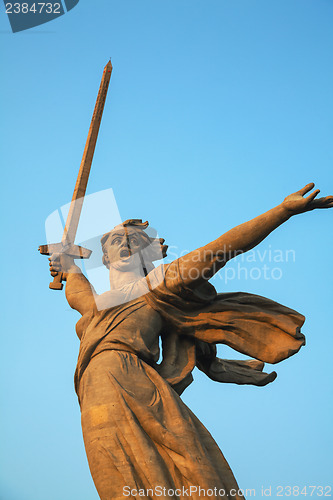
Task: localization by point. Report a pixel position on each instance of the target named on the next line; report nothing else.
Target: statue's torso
(134, 326)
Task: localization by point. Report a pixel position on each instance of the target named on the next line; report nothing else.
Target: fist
(61, 263)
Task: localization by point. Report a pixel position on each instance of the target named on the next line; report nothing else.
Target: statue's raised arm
(80, 294)
(201, 264)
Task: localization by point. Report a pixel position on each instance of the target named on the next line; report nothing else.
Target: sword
(67, 242)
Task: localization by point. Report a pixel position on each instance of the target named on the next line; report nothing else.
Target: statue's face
(123, 244)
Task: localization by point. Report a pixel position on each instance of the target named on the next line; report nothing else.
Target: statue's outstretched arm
(203, 263)
(80, 294)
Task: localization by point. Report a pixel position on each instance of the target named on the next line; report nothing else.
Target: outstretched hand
(297, 203)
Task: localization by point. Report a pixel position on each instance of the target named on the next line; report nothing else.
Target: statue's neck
(120, 278)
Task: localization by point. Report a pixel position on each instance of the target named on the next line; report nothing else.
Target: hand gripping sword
(67, 242)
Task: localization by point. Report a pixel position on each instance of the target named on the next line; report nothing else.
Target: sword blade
(75, 209)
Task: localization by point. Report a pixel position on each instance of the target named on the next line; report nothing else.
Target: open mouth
(124, 253)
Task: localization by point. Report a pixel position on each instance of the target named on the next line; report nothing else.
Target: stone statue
(140, 438)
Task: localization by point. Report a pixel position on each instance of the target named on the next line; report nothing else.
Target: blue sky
(216, 111)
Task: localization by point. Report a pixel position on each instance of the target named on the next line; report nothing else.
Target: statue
(141, 439)
(139, 435)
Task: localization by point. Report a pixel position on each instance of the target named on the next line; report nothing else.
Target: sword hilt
(74, 251)
(56, 284)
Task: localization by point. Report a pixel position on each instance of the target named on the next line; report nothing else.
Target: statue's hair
(154, 248)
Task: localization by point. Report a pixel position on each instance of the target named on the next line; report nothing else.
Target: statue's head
(128, 245)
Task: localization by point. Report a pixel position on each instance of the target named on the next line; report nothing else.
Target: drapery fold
(197, 319)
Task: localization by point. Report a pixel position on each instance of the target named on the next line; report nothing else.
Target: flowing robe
(138, 433)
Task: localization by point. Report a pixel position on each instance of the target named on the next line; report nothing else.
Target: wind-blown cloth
(197, 319)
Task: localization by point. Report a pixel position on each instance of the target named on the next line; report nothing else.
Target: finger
(53, 274)
(323, 202)
(54, 270)
(326, 199)
(54, 264)
(326, 204)
(306, 188)
(312, 195)
(54, 256)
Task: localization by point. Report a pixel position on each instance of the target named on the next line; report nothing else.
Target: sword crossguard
(74, 251)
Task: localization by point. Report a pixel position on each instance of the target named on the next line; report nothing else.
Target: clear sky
(216, 111)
